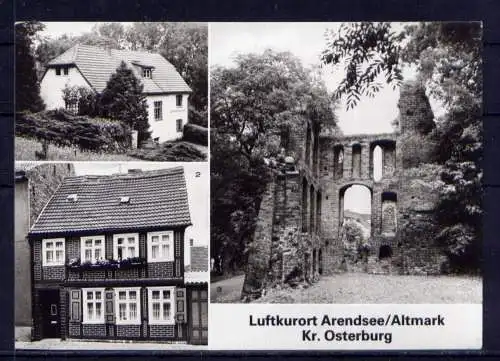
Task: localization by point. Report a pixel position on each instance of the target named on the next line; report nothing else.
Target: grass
(25, 150)
(350, 288)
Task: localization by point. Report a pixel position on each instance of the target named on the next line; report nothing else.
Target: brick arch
(340, 198)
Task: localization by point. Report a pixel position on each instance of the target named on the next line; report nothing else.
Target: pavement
(57, 344)
(227, 290)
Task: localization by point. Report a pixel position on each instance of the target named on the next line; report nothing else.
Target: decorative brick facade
(300, 223)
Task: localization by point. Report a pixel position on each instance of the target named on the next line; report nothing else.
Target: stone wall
(299, 228)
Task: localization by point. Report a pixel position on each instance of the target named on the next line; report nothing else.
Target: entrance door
(49, 305)
(198, 330)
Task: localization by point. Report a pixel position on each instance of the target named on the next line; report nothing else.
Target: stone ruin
(299, 228)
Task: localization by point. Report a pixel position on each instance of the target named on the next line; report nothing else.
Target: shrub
(196, 134)
(198, 117)
(63, 129)
(174, 151)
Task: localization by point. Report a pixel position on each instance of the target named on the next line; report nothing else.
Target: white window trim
(150, 246)
(170, 321)
(125, 235)
(160, 118)
(182, 100)
(44, 252)
(137, 321)
(93, 238)
(85, 315)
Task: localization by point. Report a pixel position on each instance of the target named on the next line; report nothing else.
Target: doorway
(49, 307)
(198, 322)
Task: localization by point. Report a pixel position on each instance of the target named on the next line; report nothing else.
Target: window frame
(149, 237)
(85, 316)
(172, 301)
(125, 236)
(54, 262)
(58, 70)
(179, 100)
(102, 247)
(147, 73)
(160, 110)
(177, 127)
(127, 301)
(65, 70)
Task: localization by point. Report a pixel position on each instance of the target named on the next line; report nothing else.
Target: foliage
(63, 129)
(252, 104)
(123, 100)
(447, 56)
(169, 152)
(196, 134)
(88, 101)
(27, 87)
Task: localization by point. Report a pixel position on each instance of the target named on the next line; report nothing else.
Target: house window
(128, 308)
(58, 71)
(53, 252)
(161, 246)
(146, 73)
(66, 70)
(158, 110)
(92, 248)
(161, 305)
(125, 246)
(72, 107)
(93, 305)
(179, 125)
(178, 100)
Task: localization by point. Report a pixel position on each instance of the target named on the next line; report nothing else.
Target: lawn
(25, 150)
(364, 288)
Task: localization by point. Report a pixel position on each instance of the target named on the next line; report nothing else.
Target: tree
(122, 99)
(447, 57)
(251, 104)
(27, 86)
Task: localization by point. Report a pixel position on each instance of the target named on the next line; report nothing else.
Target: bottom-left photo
(111, 252)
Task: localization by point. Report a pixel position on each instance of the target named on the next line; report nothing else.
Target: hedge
(64, 129)
(195, 133)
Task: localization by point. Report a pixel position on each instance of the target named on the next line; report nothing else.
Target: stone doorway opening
(384, 252)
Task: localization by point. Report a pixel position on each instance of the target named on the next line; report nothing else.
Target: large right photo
(346, 162)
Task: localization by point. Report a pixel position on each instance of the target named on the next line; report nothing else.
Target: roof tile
(157, 199)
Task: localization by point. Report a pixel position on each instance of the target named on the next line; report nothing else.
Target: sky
(197, 187)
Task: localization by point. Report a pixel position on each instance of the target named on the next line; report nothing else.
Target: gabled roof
(97, 64)
(93, 203)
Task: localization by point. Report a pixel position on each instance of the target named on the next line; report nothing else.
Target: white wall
(166, 129)
(52, 85)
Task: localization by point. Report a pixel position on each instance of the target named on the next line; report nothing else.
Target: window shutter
(76, 305)
(109, 306)
(180, 306)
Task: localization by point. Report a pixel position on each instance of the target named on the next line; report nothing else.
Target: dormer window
(147, 73)
(124, 199)
(72, 197)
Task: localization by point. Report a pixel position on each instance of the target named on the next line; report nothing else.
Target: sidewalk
(57, 344)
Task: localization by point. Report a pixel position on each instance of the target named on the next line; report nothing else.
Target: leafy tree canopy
(27, 87)
(122, 99)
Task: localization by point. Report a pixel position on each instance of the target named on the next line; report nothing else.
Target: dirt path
(227, 291)
(368, 288)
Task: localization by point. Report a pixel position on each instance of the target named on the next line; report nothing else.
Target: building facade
(34, 186)
(108, 261)
(167, 94)
(300, 226)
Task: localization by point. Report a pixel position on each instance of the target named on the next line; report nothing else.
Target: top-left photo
(111, 91)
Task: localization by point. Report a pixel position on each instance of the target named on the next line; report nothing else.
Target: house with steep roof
(89, 66)
(108, 261)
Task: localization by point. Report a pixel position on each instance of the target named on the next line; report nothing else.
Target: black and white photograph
(109, 91)
(107, 253)
(346, 163)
